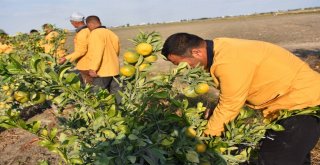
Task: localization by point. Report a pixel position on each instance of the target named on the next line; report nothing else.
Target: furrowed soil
(299, 33)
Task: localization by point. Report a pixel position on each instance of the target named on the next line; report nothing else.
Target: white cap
(76, 16)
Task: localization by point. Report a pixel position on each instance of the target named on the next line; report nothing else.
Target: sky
(24, 15)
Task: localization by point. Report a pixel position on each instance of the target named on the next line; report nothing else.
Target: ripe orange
(201, 148)
(131, 57)
(152, 58)
(201, 88)
(21, 96)
(190, 132)
(127, 70)
(2, 105)
(144, 66)
(144, 49)
(5, 87)
(189, 92)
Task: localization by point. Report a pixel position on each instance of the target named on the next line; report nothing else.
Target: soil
(299, 33)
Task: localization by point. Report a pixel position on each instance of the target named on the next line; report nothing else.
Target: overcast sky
(24, 15)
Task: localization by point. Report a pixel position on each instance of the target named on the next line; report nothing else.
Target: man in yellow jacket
(265, 77)
(48, 43)
(4, 48)
(101, 61)
(80, 43)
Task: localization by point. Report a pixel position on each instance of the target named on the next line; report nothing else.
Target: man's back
(264, 75)
(103, 52)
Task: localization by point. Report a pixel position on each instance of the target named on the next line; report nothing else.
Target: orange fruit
(63, 41)
(144, 49)
(190, 132)
(201, 88)
(2, 105)
(131, 57)
(201, 148)
(151, 58)
(128, 70)
(21, 96)
(144, 66)
(5, 87)
(189, 92)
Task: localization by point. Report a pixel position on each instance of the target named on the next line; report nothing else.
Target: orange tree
(156, 123)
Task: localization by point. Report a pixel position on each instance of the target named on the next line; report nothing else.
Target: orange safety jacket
(103, 52)
(262, 75)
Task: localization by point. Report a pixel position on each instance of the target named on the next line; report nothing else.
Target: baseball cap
(76, 16)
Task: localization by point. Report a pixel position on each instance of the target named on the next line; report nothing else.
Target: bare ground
(300, 33)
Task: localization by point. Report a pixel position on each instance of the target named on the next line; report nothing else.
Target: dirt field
(300, 33)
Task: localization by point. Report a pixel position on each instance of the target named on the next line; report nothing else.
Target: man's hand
(93, 73)
(62, 60)
(207, 113)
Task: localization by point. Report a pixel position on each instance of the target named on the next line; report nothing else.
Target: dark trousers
(107, 83)
(293, 145)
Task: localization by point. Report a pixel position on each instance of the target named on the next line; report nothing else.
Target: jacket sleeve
(80, 46)
(234, 79)
(116, 44)
(96, 50)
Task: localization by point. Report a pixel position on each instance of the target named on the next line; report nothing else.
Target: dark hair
(33, 31)
(47, 25)
(181, 44)
(93, 18)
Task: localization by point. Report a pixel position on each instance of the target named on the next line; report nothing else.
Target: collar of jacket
(100, 27)
(210, 53)
(80, 28)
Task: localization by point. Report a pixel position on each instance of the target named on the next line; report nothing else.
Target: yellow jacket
(103, 52)
(264, 76)
(80, 44)
(4, 48)
(49, 47)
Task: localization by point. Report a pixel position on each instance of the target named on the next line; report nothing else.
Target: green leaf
(44, 143)
(76, 161)
(149, 160)
(132, 159)
(167, 141)
(112, 111)
(14, 69)
(277, 127)
(53, 133)
(133, 137)
(62, 137)
(36, 126)
(161, 95)
(72, 78)
(192, 156)
(59, 99)
(62, 72)
(98, 122)
(109, 134)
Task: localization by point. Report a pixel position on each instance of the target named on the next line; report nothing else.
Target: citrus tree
(160, 119)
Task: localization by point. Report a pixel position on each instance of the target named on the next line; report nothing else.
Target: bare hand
(207, 113)
(93, 73)
(62, 60)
